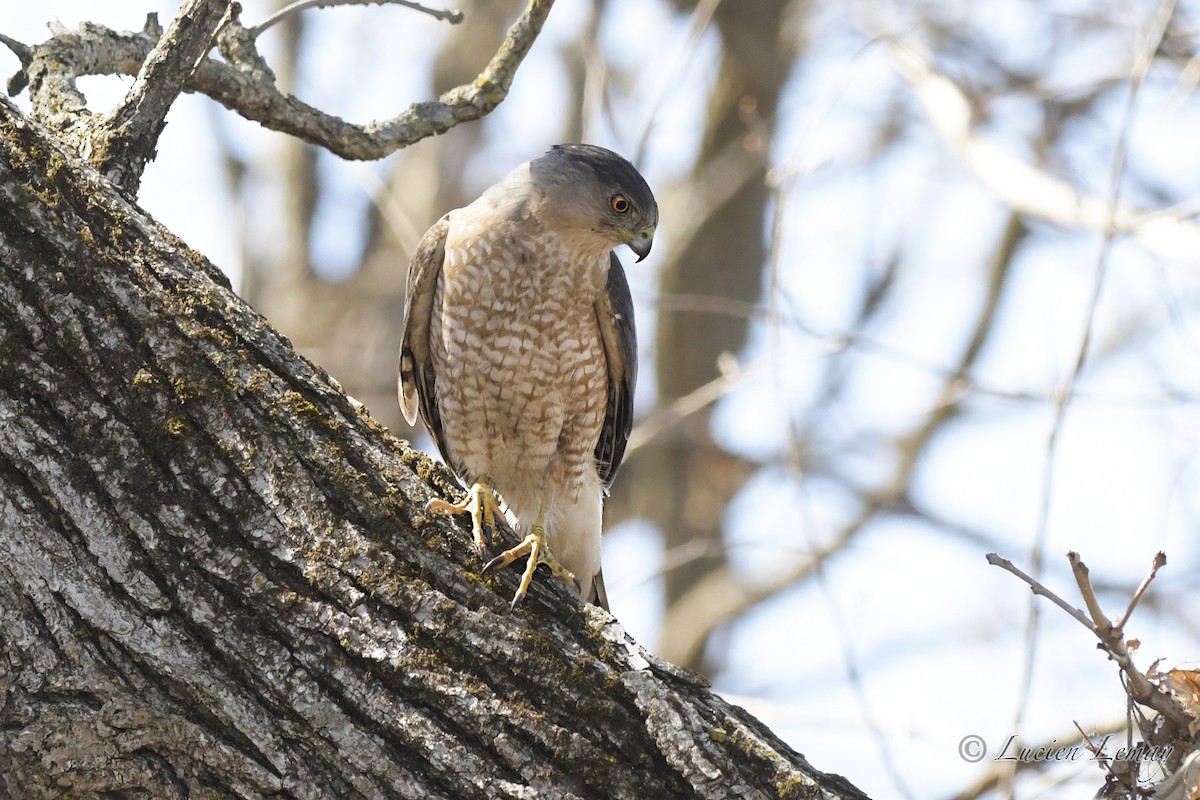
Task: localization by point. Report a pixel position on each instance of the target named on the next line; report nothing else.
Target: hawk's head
(595, 189)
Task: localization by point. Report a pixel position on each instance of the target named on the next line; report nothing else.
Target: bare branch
(453, 17)
(24, 54)
(245, 84)
(1160, 560)
(1112, 640)
(22, 51)
(1036, 586)
(1100, 623)
(124, 140)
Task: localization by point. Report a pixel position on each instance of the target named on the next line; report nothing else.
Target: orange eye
(620, 204)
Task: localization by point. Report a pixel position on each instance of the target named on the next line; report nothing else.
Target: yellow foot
(481, 504)
(534, 546)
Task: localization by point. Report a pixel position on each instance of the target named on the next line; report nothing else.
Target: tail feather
(596, 593)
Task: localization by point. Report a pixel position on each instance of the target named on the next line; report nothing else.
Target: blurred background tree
(925, 287)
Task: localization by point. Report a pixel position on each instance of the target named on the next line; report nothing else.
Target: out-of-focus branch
(1109, 207)
(244, 83)
(453, 17)
(731, 378)
(1023, 187)
(711, 188)
(724, 595)
(719, 252)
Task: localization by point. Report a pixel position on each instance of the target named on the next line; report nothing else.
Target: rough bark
(217, 580)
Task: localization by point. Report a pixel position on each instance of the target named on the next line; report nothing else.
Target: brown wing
(418, 384)
(614, 312)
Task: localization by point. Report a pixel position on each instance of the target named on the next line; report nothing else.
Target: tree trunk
(216, 577)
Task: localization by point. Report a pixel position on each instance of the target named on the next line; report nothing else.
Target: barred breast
(522, 398)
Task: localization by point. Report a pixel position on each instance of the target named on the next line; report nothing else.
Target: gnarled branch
(244, 83)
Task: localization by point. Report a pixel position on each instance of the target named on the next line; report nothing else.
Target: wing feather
(417, 383)
(614, 313)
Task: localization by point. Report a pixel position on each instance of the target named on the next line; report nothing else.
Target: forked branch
(241, 80)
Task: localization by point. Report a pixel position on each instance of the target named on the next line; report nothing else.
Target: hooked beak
(642, 243)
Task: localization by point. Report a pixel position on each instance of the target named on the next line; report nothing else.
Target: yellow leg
(480, 503)
(534, 546)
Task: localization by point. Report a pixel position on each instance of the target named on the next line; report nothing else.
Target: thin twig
(1100, 622)
(1160, 560)
(1087, 740)
(453, 17)
(701, 17)
(1003, 563)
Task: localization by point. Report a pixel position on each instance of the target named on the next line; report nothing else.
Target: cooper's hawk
(519, 351)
